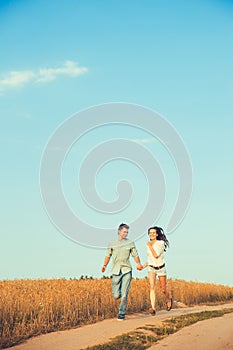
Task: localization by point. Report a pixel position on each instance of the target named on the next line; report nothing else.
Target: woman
(156, 265)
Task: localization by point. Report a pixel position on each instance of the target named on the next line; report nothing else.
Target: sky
(59, 58)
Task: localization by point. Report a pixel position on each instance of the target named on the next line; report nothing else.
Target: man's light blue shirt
(120, 251)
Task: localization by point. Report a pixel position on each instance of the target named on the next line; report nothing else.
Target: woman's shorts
(160, 272)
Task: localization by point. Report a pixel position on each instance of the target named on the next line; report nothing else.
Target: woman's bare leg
(163, 286)
(152, 281)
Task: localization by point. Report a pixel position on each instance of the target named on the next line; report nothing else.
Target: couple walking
(120, 251)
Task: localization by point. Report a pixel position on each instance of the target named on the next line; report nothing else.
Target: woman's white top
(158, 246)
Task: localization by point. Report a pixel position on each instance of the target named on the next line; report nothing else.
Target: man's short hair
(121, 226)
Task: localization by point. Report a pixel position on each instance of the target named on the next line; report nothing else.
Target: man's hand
(139, 267)
(106, 261)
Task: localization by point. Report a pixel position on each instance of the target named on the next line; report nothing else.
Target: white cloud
(70, 68)
(16, 79)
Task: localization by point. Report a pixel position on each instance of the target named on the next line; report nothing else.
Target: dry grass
(32, 307)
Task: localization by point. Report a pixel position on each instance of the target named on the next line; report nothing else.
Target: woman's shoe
(152, 311)
(170, 307)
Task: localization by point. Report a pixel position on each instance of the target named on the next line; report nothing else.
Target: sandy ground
(101, 332)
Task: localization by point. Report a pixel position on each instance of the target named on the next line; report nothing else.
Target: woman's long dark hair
(160, 235)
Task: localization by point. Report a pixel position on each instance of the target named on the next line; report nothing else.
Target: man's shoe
(152, 311)
(120, 318)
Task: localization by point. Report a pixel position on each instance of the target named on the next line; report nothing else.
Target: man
(120, 251)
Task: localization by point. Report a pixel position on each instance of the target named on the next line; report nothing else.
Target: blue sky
(58, 58)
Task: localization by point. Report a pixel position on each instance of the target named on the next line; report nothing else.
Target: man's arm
(139, 265)
(107, 257)
(136, 257)
(106, 261)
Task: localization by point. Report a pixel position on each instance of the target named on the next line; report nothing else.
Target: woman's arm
(152, 250)
(145, 265)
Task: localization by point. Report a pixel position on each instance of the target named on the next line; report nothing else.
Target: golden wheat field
(32, 307)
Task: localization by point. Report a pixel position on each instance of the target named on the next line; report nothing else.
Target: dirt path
(212, 334)
(101, 332)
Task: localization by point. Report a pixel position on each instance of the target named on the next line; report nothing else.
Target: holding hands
(141, 267)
